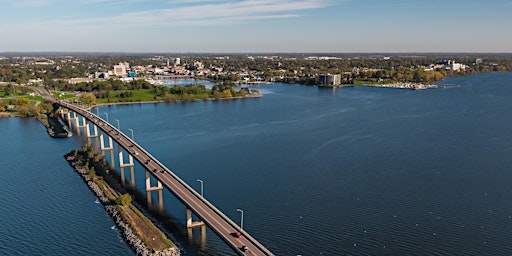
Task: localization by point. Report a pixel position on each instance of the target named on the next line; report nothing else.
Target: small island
(139, 232)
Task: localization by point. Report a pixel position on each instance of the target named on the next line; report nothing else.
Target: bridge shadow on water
(172, 218)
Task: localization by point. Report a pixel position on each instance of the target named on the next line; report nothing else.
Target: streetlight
(242, 219)
(118, 124)
(132, 133)
(201, 186)
(97, 112)
(106, 114)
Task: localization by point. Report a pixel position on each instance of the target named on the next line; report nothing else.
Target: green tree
(124, 200)
(3, 106)
(88, 98)
(22, 101)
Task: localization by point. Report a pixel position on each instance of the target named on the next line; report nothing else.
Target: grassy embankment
(20, 102)
(98, 170)
(140, 95)
(149, 95)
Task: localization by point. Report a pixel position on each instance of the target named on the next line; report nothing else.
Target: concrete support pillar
(150, 189)
(122, 165)
(71, 119)
(110, 148)
(191, 224)
(88, 130)
(80, 126)
(63, 112)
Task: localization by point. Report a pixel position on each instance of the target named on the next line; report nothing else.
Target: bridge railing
(183, 183)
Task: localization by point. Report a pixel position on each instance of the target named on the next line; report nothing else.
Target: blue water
(46, 207)
(184, 82)
(351, 171)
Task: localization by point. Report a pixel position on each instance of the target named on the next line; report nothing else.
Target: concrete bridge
(209, 215)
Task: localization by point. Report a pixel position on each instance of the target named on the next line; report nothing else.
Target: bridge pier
(122, 165)
(70, 120)
(63, 112)
(191, 224)
(88, 130)
(109, 148)
(150, 189)
(84, 124)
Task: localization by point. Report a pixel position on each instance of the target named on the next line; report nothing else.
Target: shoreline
(397, 85)
(129, 235)
(170, 101)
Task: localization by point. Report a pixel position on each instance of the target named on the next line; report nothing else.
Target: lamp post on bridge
(201, 187)
(132, 133)
(118, 124)
(106, 114)
(97, 112)
(241, 219)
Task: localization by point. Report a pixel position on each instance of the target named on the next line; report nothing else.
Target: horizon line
(246, 53)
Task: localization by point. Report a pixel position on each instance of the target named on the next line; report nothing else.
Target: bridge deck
(203, 209)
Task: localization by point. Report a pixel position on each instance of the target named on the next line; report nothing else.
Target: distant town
(116, 78)
(320, 70)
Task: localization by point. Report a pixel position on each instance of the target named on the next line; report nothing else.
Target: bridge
(225, 228)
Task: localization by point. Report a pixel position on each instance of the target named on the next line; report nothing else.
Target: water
(46, 207)
(184, 82)
(351, 171)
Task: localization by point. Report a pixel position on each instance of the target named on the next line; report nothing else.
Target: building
(177, 62)
(455, 66)
(121, 69)
(329, 80)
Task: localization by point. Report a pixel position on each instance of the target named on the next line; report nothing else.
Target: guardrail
(174, 176)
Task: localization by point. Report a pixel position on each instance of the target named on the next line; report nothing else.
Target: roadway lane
(203, 209)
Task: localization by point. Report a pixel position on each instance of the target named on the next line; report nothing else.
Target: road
(204, 210)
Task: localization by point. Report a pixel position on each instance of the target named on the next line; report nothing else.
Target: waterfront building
(455, 66)
(329, 79)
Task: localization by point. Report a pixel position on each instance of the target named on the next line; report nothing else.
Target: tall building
(329, 79)
(177, 62)
(121, 69)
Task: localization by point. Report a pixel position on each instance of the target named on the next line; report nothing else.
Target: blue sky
(256, 25)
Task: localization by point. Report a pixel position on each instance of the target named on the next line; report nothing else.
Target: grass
(65, 95)
(149, 234)
(138, 95)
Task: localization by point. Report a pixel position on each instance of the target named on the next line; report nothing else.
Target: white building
(456, 66)
(120, 70)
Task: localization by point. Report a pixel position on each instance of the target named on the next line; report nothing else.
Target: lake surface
(184, 82)
(350, 171)
(46, 209)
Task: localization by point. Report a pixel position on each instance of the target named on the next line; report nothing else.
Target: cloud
(204, 12)
(135, 26)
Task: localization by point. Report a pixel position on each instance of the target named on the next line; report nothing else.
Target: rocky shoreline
(412, 86)
(127, 233)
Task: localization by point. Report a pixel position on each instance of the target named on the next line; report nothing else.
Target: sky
(256, 26)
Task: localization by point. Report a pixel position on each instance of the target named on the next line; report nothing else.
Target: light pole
(118, 125)
(132, 133)
(106, 114)
(201, 186)
(97, 112)
(241, 219)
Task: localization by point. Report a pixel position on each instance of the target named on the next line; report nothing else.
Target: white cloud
(70, 31)
(211, 12)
